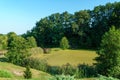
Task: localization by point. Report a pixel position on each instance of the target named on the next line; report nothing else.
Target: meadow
(59, 57)
(56, 57)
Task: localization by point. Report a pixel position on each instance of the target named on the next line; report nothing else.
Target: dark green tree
(108, 60)
(27, 73)
(64, 43)
(82, 19)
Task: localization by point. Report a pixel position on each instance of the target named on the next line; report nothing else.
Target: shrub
(54, 70)
(85, 71)
(5, 74)
(36, 50)
(62, 77)
(37, 64)
(68, 69)
(106, 78)
(46, 50)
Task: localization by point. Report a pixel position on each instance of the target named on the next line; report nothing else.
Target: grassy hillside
(58, 57)
(16, 72)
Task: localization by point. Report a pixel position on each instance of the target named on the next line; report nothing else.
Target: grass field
(58, 57)
(17, 72)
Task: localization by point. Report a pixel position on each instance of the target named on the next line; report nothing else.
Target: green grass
(6, 74)
(16, 72)
(58, 57)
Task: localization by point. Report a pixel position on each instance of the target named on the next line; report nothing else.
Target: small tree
(27, 73)
(64, 43)
(108, 61)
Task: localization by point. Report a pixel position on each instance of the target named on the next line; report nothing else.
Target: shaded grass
(59, 57)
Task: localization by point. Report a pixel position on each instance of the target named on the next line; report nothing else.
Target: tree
(31, 42)
(17, 50)
(27, 73)
(64, 43)
(108, 60)
(82, 20)
(3, 42)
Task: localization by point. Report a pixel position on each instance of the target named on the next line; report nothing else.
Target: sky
(21, 15)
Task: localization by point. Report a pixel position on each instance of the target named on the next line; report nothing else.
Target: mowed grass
(17, 72)
(58, 57)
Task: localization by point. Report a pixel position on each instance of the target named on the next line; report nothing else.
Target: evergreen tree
(27, 73)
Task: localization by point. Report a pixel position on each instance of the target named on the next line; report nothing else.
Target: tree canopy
(83, 29)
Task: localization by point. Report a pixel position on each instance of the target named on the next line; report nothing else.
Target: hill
(13, 72)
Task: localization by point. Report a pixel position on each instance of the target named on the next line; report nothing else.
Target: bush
(68, 69)
(62, 77)
(36, 50)
(5, 74)
(46, 50)
(37, 64)
(106, 78)
(54, 70)
(85, 71)
(81, 71)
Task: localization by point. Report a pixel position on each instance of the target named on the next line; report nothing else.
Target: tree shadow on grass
(3, 59)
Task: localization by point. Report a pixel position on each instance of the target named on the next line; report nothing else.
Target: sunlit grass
(18, 72)
(58, 57)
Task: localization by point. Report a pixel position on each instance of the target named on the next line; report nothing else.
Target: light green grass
(59, 57)
(17, 72)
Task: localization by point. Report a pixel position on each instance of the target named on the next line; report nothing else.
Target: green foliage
(3, 42)
(83, 71)
(108, 61)
(31, 42)
(54, 70)
(68, 69)
(17, 49)
(106, 78)
(84, 28)
(36, 50)
(27, 73)
(5, 74)
(36, 63)
(64, 43)
(62, 77)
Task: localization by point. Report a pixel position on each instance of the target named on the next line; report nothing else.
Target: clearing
(58, 57)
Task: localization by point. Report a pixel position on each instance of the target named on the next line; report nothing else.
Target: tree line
(83, 29)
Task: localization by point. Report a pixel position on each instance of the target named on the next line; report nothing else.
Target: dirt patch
(18, 73)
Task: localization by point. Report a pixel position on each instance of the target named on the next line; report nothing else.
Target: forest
(97, 29)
